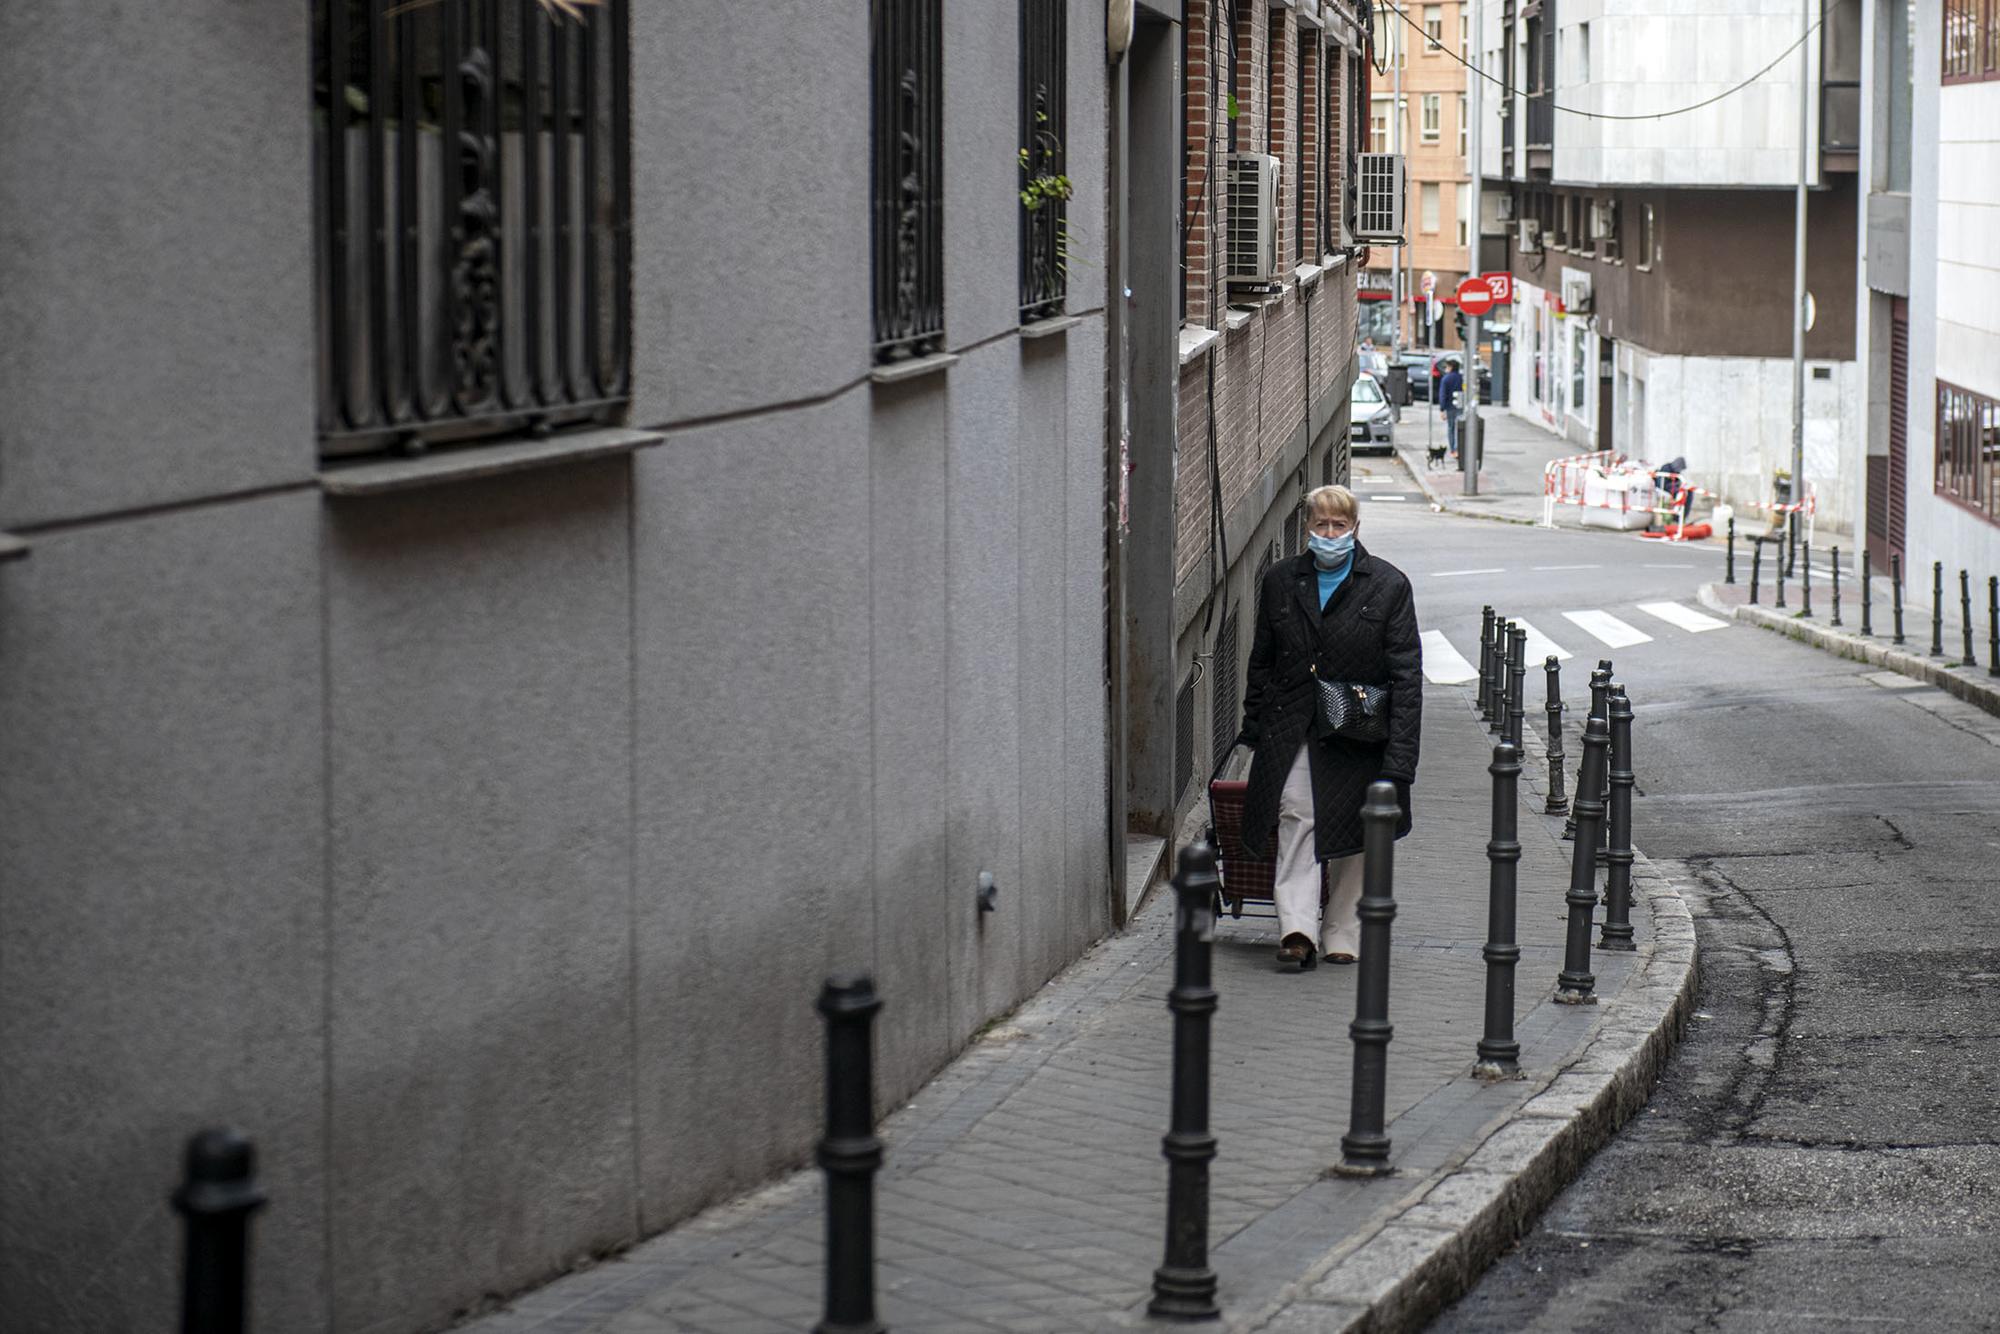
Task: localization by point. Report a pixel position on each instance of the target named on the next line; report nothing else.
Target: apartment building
(1436, 143)
(1653, 254)
(1928, 291)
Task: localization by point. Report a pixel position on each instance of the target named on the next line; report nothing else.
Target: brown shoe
(1298, 949)
(1339, 956)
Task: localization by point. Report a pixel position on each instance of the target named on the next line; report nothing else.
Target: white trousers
(1298, 878)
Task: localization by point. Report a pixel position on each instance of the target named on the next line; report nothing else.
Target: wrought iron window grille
(907, 73)
(1045, 185)
(473, 219)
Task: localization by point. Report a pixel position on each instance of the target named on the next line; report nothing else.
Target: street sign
(1501, 285)
(1430, 284)
(1474, 297)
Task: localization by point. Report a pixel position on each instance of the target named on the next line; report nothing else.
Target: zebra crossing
(1445, 665)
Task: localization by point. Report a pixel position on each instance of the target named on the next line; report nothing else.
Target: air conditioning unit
(1380, 188)
(1576, 291)
(1253, 219)
(1528, 236)
(1503, 207)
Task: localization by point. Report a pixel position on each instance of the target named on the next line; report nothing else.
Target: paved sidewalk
(1977, 681)
(1510, 478)
(1024, 1188)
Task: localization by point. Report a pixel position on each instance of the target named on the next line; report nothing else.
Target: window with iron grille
(1971, 41)
(907, 86)
(1224, 700)
(1183, 737)
(1044, 183)
(1968, 449)
(473, 206)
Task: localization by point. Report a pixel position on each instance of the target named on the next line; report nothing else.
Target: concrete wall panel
(162, 960)
(1086, 903)
(155, 254)
(750, 157)
(754, 781)
(480, 714)
(983, 177)
(1043, 427)
(983, 683)
(910, 621)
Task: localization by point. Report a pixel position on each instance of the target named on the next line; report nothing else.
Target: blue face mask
(1330, 553)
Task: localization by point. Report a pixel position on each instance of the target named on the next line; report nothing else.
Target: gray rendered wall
(480, 849)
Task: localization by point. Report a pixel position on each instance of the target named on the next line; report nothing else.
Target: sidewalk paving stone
(1024, 1189)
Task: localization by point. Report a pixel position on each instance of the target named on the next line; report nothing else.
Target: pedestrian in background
(1449, 386)
(1341, 614)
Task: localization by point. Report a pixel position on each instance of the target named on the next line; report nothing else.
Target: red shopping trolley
(1245, 878)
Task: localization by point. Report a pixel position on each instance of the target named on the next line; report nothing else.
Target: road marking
(1380, 481)
(1443, 664)
(1453, 574)
(1687, 618)
(1564, 567)
(1388, 497)
(1603, 626)
(1670, 567)
(1540, 646)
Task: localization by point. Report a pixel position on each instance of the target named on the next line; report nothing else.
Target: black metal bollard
(1496, 690)
(1576, 984)
(1364, 1149)
(1937, 609)
(1499, 1053)
(1896, 594)
(1485, 660)
(1184, 1285)
(1557, 804)
(217, 1197)
(1756, 569)
(1617, 933)
(1517, 675)
(1600, 693)
(1867, 594)
(1836, 586)
(1968, 658)
(1781, 579)
(1993, 625)
(850, 1154)
(1805, 583)
(1729, 563)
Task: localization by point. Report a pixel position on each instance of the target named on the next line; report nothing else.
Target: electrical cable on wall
(1607, 115)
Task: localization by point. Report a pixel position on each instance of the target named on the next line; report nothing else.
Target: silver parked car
(1369, 411)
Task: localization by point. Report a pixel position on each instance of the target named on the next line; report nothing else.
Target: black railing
(908, 86)
(1044, 182)
(473, 218)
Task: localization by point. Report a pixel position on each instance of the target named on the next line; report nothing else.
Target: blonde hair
(1334, 502)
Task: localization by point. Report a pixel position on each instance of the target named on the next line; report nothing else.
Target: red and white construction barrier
(1611, 490)
(1677, 509)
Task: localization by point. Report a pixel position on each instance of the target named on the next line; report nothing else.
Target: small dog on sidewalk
(1434, 456)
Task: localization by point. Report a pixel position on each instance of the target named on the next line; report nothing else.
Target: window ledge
(1195, 340)
(1237, 319)
(895, 371)
(12, 547)
(1308, 274)
(1051, 326)
(471, 463)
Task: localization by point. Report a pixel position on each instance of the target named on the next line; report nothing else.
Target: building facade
(1929, 278)
(1653, 255)
(535, 540)
(1256, 400)
(1436, 144)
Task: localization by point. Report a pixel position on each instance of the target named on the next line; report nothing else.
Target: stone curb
(1414, 463)
(1983, 690)
(1433, 1244)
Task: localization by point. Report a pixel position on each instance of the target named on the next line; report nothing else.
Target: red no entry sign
(1474, 297)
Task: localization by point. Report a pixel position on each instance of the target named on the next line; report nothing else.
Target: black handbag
(1352, 712)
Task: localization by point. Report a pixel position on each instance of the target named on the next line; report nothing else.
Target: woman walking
(1333, 614)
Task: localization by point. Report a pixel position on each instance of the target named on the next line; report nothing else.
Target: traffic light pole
(1473, 442)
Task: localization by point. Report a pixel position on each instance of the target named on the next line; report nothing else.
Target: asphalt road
(1823, 1152)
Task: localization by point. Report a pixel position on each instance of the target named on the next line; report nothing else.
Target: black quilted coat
(1367, 635)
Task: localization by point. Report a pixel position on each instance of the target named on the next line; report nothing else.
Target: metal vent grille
(1293, 530)
(1224, 702)
(1183, 737)
(1326, 468)
(1265, 562)
(1253, 217)
(1379, 190)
